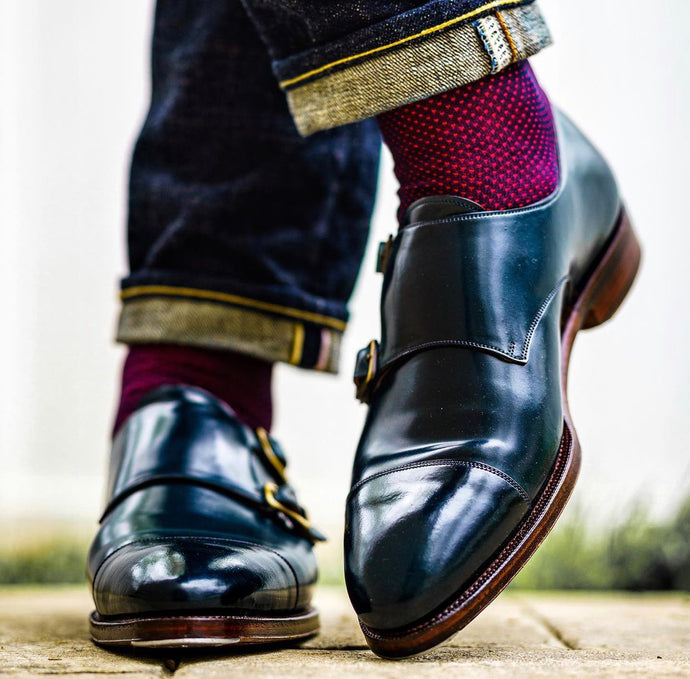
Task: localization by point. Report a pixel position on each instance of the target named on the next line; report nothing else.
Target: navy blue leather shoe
(203, 542)
(468, 453)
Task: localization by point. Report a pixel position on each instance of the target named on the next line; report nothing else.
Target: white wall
(72, 94)
(73, 80)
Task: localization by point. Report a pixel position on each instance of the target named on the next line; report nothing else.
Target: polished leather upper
(188, 526)
(465, 416)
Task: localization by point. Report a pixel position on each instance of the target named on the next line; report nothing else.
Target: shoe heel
(613, 278)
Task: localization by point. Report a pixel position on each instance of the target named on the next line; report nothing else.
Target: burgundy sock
(243, 382)
(492, 142)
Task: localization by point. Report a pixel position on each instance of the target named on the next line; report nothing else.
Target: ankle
(492, 142)
(241, 381)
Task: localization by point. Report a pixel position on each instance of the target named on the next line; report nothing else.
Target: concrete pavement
(43, 631)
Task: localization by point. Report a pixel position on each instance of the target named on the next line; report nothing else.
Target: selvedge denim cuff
(414, 66)
(242, 235)
(217, 320)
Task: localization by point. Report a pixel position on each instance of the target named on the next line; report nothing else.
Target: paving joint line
(549, 626)
(334, 649)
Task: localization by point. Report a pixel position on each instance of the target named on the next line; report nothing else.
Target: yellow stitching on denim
(298, 345)
(171, 291)
(421, 34)
(509, 37)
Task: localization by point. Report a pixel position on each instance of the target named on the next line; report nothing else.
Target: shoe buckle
(365, 370)
(383, 255)
(269, 454)
(299, 518)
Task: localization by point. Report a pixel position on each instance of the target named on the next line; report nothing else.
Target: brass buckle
(383, 255)
(269, 453)
(363, 383)
(269, 494)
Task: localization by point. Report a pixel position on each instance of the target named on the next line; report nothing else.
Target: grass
(57, 561)
(635, 555)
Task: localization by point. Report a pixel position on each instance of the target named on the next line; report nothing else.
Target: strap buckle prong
(301, 520)
(364, 376)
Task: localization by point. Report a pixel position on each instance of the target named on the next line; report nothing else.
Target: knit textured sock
(492, 141)
(243, 382)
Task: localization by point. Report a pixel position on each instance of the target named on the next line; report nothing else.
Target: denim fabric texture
(340, 62)
(325, 32)
(242, 234)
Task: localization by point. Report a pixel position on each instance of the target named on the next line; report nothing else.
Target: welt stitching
(518, 535)
(446, 463)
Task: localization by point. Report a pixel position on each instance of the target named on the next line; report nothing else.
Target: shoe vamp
(463, 404)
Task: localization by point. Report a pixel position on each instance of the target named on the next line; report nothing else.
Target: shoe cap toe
(416, 536)
(193, 574)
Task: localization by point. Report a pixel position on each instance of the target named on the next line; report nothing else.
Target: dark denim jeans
(243, 234)
(344, 61)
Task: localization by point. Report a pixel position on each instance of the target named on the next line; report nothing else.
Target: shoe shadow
(172, 658)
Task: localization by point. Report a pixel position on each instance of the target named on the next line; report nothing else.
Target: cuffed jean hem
(455, 53)
(216, 320)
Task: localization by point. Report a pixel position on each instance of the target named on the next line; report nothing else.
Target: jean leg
(242, 234)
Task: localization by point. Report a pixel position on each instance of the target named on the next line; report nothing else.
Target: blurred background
(73, 91)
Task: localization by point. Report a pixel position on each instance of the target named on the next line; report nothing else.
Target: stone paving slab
(43, 631)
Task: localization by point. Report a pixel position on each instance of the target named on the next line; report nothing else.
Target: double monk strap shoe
(202, 542)
(468, 453)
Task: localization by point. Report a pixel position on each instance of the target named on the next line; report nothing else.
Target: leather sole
(203, 631)
(606, 287)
